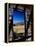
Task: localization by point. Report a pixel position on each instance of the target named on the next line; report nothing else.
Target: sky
(18, 17)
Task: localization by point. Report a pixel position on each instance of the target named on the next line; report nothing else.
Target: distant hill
(19, 24)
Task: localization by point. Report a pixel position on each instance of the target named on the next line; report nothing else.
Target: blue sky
(18, 17)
